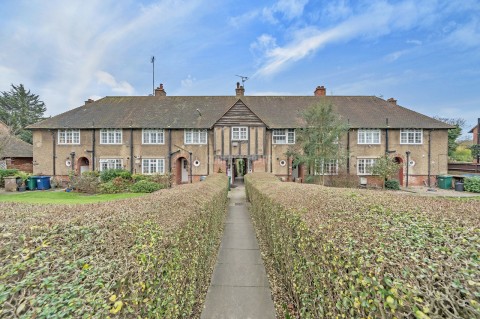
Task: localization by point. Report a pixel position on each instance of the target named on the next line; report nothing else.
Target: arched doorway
(399, 161)
(181, 172)
(83, 165)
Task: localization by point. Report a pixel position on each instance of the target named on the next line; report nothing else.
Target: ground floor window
(364, 165)
(111, 163)
(153, 166)
(328, 167)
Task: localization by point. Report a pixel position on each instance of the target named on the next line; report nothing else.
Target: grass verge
(50, 197)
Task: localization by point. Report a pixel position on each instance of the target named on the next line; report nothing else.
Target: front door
(184, 170)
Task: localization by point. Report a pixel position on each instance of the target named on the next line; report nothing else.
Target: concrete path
(239, 286)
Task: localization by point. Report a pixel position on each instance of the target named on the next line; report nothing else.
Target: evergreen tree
(20, 108)
(318, 142)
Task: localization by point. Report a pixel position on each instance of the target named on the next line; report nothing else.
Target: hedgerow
(342, 253)
(144, 257)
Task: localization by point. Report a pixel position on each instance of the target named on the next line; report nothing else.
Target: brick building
(194, 136)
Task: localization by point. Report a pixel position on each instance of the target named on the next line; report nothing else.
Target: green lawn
(49, 197)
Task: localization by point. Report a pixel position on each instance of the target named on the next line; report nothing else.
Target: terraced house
(194, 136)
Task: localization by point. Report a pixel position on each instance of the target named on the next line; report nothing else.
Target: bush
(88, 182)
(163, 179)
(352, 253)
(472, 184)
(392, 184)
(109, 174)
(116, 185)
(5, 173)
(145, 187)
(145, 257)
(139, 177)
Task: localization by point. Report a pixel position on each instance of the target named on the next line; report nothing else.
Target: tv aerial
(244, 78)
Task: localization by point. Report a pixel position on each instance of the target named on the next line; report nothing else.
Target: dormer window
(239, 133)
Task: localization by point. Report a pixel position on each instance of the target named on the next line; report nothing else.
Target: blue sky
(424, 53)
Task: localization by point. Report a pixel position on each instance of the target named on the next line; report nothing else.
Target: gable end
(239, 114)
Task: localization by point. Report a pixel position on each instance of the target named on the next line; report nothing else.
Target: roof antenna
(244, 78)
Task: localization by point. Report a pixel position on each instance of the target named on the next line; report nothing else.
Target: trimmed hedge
(343, 253)
(150, 256)
(145, 187)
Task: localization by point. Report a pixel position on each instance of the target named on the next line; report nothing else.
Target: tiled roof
(205, 111)
(15, 147)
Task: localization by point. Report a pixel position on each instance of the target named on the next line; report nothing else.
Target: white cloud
(188, 82)
(395, 55)
(467, 35)
(122, 87)
(379, 19)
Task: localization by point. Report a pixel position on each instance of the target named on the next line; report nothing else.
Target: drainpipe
(54, 147)
(191, 177)
(386, 138)
(131, 149)
(478, 141)
(429, 155)
(408, 164)
(93, 148)
(170, 151)
(348, 147)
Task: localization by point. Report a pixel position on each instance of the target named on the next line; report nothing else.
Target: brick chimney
(89, 101)
(320, 91)
(392, 100)
(239, 91)
(160, 91)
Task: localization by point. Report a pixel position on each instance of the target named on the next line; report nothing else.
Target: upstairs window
(364, 166)
(69, 136)
(411, 136)
(111, 136)
(283, 136)
(239, 133)
(368, 136)
(153, 166)
(111, 163)
(195, 136)
(153, 136)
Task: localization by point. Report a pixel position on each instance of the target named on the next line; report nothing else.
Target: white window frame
(239, 133)
(366, 162)
(153, 166)
(414, 133)
(111, 136)
(369, 136)
(195, 136)
(111, 163)
(283, 136)
(69, 134)
(326, 168)
(153, 136)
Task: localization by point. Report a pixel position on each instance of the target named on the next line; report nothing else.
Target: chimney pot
(160, 91)
(240, 90)
(320, 91)
(392, 100)
(89, 101)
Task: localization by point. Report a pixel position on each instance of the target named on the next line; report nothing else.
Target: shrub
(472, 184)
(88, 182)
(164, 179)
(392, 184)
(351, 253)
(146, 257)
(139, 177)
(145, 187)
(5, 173)
(109, 174)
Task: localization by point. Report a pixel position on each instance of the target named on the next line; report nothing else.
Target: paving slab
(239, 287)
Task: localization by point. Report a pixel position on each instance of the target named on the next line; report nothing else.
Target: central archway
(83, 165)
